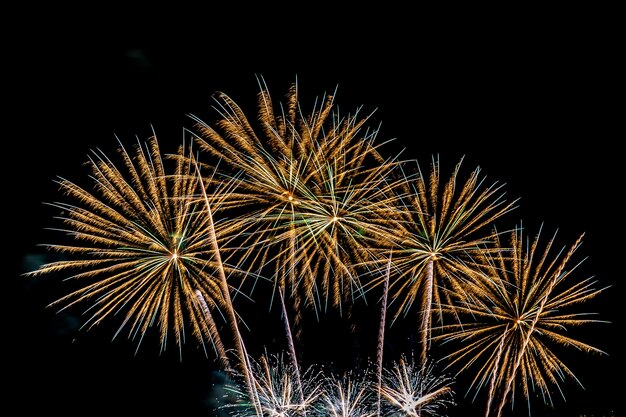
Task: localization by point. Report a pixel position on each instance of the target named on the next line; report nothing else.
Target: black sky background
(535, 101)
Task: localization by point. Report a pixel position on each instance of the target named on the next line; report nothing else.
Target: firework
(313, 194)
(348, 395)
(439, 239)
(308, 201)
(281, 391)
(409, 389)
(140, 247)
(521, 314)
(312, 197)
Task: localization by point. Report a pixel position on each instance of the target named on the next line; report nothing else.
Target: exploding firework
(523, 311)
(415, 390)
(141, 247)
(313, 195)
(348, 395)
(440, 238)
(312, 204)
(280, 389)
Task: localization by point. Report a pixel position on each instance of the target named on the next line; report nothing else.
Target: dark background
(533, 98)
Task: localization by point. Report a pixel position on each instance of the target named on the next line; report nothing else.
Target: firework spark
(521, 313)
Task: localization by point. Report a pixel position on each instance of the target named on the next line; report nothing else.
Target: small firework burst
(348, 395)
(409, 389)
(280, 390)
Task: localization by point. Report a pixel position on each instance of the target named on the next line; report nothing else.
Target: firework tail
(239, 345)
(494, 375)
(381, 336)
(426, 311)
(292, 349)
(217, 341)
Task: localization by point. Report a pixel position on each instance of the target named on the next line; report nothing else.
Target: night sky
(531, 101)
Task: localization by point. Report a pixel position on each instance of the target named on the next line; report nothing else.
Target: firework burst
(281, 390)
(348, 395)
(313, 194)
(415, 390)
(141, 247)
(440, 239)
(520, 315)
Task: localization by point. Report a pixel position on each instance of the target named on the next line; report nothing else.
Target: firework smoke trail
(523, 306)
(411, 389)
(140, 247)
(440, 240)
